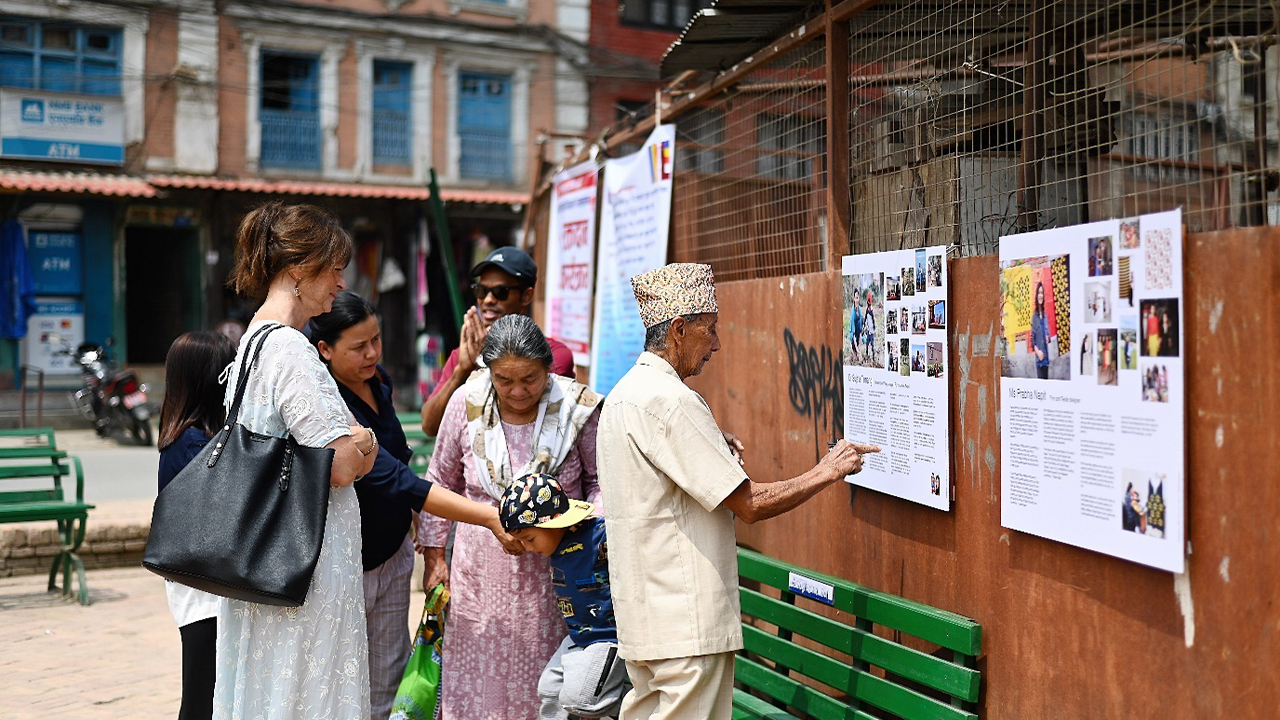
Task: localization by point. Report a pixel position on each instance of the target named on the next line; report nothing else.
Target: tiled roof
(90, 183)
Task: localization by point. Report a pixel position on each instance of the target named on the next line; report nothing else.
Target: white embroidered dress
(277, 663)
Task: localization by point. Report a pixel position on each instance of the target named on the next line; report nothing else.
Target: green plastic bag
(419, 695)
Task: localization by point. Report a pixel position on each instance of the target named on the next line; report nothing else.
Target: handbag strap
(242, 382)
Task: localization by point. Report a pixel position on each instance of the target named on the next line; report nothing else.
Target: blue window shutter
(392, 113)
(290, 112)
(484, 126)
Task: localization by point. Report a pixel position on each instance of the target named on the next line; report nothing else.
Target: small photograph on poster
(918, 321)
(933, 359)
(1100, 256)
(904, 349)
(1159, 258)
(937, 314)
(917, 358)
(934, 271)
(1035, 325)
(891, 322)
(1128, 342)
(1155, 382)
(892, 288)
(1124, 279)
(935, 483)
(909, 282)
(904, 320)
(1142, 508)
(1129, 234)
(892, 352)
(1159, 321)
(921, 272)
(864, 297)
(1086, 354)
(1107, 367)
(1097, 301)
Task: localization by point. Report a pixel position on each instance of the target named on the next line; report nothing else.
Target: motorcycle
(111, 397)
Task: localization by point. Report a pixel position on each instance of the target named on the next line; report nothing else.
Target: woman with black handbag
(309, 661)
(349, 340)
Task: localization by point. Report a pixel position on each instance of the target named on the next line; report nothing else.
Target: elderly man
(671, 492)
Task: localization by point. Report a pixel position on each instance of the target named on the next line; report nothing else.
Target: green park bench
(779, 678)
(30, 455)
(421, 444)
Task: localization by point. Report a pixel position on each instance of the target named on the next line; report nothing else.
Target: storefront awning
(90, 183)
(330, 189)
(149, 186)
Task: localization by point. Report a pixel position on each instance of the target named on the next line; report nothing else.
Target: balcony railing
(486, 156)
(290, 139)
(392, 138)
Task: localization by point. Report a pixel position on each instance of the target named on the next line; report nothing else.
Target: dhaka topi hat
(537, 500)
(673, 290)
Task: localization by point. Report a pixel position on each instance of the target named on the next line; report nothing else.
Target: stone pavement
(120, 657)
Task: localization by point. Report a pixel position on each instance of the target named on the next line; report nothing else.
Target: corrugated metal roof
(68, 182)
(730, 30)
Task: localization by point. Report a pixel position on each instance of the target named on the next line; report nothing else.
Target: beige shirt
(664, 470)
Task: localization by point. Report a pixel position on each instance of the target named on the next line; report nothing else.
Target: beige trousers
(689, 688)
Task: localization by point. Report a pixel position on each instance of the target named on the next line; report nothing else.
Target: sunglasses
(499, 292)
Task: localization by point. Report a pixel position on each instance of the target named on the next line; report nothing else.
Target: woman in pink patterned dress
(503, 620)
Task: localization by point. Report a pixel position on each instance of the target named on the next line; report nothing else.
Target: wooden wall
(1068, 633)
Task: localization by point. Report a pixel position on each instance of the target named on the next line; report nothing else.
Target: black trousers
(199, 649)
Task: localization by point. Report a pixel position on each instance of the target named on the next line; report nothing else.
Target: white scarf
(565, 407)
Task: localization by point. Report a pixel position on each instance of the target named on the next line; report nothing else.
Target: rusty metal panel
(1067, 633)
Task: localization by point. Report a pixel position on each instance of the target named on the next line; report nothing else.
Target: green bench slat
(750, 707)
(793, 693)
(857, 683)
(952, 631)
(26, 453)
(13, 497)
(48, 470)
(937, 673)
(44, 510)
(39, 432)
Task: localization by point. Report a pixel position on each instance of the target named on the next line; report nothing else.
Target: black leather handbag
(245, 519)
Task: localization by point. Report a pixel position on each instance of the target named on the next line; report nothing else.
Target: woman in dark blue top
(349, 340)
(191, 414)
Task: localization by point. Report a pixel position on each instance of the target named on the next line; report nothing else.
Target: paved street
(114, 469)
(117, 658)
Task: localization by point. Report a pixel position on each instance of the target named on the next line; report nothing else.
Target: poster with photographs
(894, 351)
(1092, 377)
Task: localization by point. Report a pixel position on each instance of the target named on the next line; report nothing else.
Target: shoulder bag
(245, 519)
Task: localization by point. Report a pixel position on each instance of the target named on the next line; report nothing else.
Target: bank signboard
(61, 127)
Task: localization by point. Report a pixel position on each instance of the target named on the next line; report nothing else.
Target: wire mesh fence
(751, 173)
(973, 119)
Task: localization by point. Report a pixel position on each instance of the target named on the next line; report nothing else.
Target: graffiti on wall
(815, 389)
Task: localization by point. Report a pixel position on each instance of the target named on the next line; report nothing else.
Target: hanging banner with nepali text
(635, 220)
(1092, 411)
(570, 259)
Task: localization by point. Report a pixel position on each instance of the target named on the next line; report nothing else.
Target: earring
(296, 293)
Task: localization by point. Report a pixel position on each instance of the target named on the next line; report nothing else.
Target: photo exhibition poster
(894, 353)
(1092, 404)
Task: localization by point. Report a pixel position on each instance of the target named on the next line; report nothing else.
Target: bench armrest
(79, 477)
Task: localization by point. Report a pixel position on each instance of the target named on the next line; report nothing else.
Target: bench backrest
(55, 470)
(29, 443)
(913, 684)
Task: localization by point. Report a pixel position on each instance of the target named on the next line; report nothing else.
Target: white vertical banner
(1092, 403)
(896, 376)
(635, 219)
(570, 259)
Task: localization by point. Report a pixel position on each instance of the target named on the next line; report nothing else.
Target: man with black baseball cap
(502, 284)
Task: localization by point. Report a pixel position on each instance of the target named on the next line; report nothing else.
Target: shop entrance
(162, 290)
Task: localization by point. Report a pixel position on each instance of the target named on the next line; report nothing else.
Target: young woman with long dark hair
(191, 414)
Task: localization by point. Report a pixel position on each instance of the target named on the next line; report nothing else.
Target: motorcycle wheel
(140, 428)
